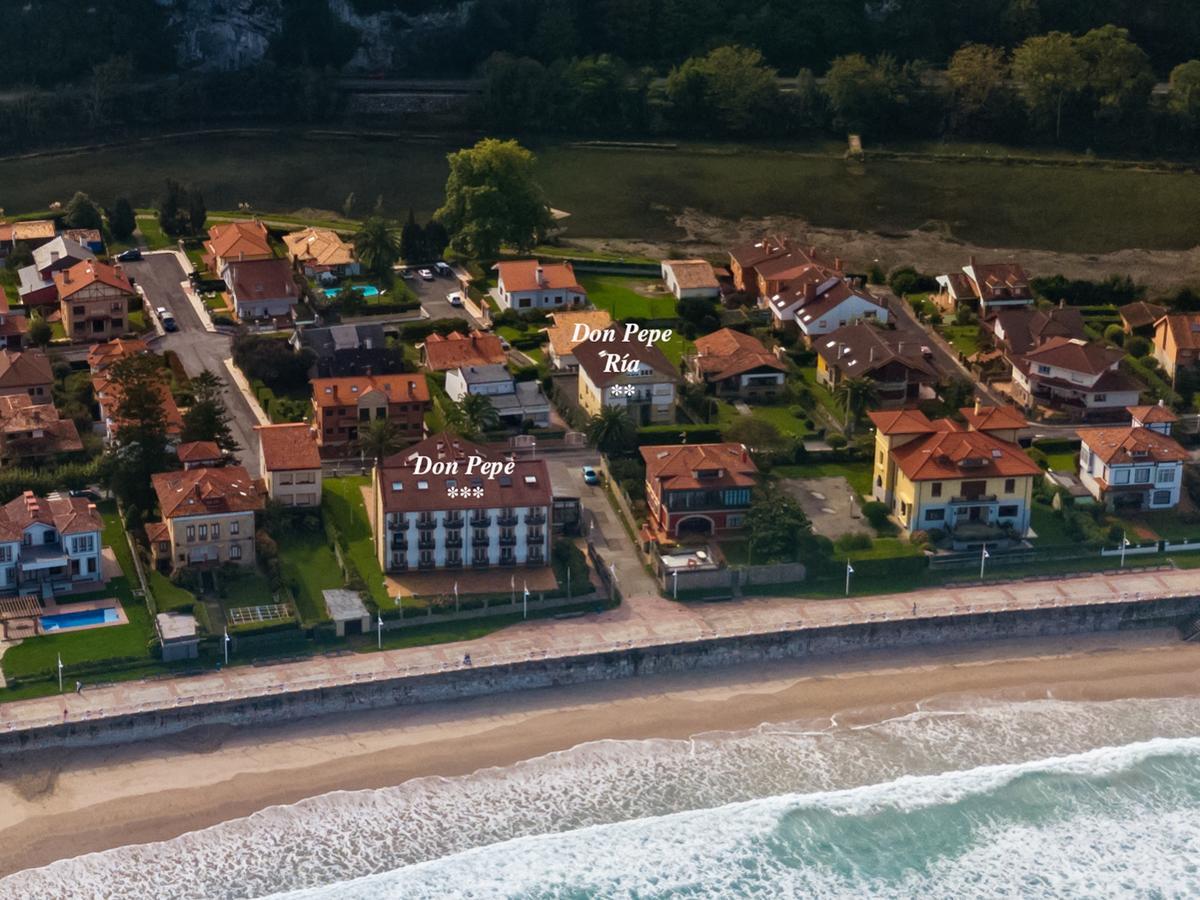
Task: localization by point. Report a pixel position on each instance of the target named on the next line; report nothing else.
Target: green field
(619, 295)
(638, 193)
(309, 565)
(342, 499)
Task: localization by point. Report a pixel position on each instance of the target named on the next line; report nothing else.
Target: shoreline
(70, 802)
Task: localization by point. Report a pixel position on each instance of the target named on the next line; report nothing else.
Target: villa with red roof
(1138, 466)
(698, 489)
(291, 463)
(737, 365)
(1080, 377)
(527, 284)
(973, 482)
(207, 516)
(456, 350)
(989, 286)
(49, 544)
(343, 406)
(235, 242)
(94, 300)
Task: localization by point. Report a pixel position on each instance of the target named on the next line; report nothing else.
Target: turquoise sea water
(1030, 799)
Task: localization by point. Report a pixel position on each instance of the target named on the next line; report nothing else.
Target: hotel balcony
(535, 518)
(981, 498)
(535, 559)
(426, 524)
(535, 537)
(454, 540)
(453, 564)
(506, 520)
(425, 564)
(399, 543)
(479, 564)
(508, 540)
(453, 522)
(481, 521)
(481, 541)
(508, 561)
(426, 543)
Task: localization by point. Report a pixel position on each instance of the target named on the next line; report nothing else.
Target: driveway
(432, 295)
(829, 503)
(161, 277)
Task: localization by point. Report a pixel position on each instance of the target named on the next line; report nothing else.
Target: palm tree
(379, 439)
(377, 245)
(471, 416)
(612, 431)
(857, 395)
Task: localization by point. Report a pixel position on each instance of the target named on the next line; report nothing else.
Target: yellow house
(630, 375)
(975, 483)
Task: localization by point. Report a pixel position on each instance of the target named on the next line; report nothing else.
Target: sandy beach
(66, 803)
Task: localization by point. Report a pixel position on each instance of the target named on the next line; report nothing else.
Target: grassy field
(857, 473)
(342, 499)
(964, 338)
(150, 230)
(308, 563)
(676, 348)
(169, 597)
(619, 295)
(637, 193)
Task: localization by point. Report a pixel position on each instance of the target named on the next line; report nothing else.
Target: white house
(1131, 467)
(261, 287)
(514, 401)
(527, 284)
(690, 278)
(1076, 375)
(49, 544)
(817, 306)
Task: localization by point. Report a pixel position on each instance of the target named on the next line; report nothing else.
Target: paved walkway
(643, 620)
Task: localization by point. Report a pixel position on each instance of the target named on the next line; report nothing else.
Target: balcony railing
(399, 543)
(453, 563)
(454, 540)
(535, 537)
(534, 561)
(506, 520)
(535, 518)
(478, 541)
(426, 543)
(425, 564)
(453, 522)
(426, 524)
(479, 563)
(508, 540)
(979, 498)
(481, 521)
(508, 560)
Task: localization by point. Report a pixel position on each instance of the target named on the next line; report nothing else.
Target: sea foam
(742, 796)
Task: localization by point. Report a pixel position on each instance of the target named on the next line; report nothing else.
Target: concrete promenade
(643, 621)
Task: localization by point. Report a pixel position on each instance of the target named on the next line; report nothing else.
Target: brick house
(94, 300)
(343, 405)
(698, 489)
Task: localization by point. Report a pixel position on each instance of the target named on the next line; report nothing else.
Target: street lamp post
(1124, 544)
(983, 558)
(674, 584)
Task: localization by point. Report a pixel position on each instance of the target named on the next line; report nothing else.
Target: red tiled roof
(156, 532)
(260, 279)
(35, 429)
(288, 447)
(196, 492)
(1027, 328)
(901, 421)
(101, 356)
(1139, 313)
(347, 390)
(405, 491)
(84, 274)
(1075, 355)
(675, 467)
(198, 451)
(456, 350)
(993, 418)
(1152, 415)
(70, 515)
(1185, 328)
(522, 275)
(1000, 281)
(726, 353)
(953, 453)
(232, 240)
(24, 368)
(692, 273)
(1129, 444)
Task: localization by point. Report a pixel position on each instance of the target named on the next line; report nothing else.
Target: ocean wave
(1049, 828)
(428, 821)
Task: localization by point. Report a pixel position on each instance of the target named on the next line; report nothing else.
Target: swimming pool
(367, 290)
(80, 618)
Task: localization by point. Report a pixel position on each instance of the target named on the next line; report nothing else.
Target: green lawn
(168, 596)
(622, 297)
(152, 232)
(1166, 524)
(342, 499)
(882, 548)
(676, 348)
(858, 474)
(1063, 462)
(781, 417)
(828, 403)
(309, 566)
(964, 338)
(248, 588)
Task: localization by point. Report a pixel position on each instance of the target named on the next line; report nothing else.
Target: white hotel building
(456, 519)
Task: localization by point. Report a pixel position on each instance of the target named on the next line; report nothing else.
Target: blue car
(590, 476)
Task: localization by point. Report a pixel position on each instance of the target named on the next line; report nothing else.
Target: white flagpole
(1124, 544)
(525, 602)
(227, 645)
(982, 561)
(379, 628)
(568, 581)
(60, 668)
(849, 572)
(512, 583)
(456, 596)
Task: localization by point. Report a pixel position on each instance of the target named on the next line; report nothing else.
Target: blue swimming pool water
(367, 290)
(62, 621)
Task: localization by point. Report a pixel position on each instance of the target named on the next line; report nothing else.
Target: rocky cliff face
(231, 34)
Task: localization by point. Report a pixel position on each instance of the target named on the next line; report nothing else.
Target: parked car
(168, 320)
(426, 275)
(505, 345)
(132, 255)
(927, 351)
(454, 298)
(442, 269)
(407, 273)
(590, 476)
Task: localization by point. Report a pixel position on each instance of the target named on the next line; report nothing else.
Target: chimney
(978, 405)
(871, 355)
(810, 291)
(540, 275)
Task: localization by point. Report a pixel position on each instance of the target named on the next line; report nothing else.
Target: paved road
(161, 277)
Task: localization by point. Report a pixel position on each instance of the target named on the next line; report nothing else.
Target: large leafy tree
(380, 439)
(730, 86)
(377, 245)
(207, 419)
(612, 431)
(139, 447)
(977, 74)
(867, 95)
(776, 525)
(1050, 71)
(856, 395)
(1184, 100)
(122, 221)
(1119, 77)
(492, 199)
(82, 212)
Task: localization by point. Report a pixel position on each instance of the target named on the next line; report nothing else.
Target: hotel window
(6, 554)
(1010, 485)
(1165, 476)
(235, 551)
(1161, 498)
(216, 530)
(936, 489)
(480, 555)
(1007, 512)
(453, 557)
(191, 532)
(935, 515)
(734, 521)
(1141, 475)
(427, 557)
(234, 527)
(204, 532)
(1099, 398)
(1043, 370)
(285, 478)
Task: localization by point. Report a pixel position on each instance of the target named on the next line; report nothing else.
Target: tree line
(1091, 90)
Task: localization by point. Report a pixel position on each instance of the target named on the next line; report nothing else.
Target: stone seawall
(672, 658)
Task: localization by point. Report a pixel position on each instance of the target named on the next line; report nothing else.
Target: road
(161, 277)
